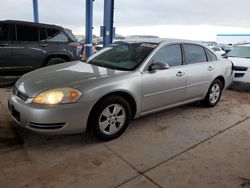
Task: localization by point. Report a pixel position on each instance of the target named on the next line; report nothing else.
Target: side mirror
(158, 66)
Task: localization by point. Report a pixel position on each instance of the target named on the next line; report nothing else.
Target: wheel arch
(49, 57)
(222, 79)
(126, 95)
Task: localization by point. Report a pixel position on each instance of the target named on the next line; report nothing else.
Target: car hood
(242, 62)
(61, 75)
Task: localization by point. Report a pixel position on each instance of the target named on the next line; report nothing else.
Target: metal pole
(108, 22)
(35, 11)
(89, 27)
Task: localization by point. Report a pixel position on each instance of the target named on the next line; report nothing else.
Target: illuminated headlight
(58, 96)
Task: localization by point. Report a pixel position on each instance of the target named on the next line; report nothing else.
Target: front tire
(110, 118)
(214, 94)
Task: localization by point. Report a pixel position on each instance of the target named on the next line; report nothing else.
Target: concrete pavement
(190, 146)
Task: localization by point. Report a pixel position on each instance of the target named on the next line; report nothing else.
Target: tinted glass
(71, 35)
(42, 33)
(211, 56)
(122, 55)
(240, 51)
(4, 32)
(27, 33)
(194, 54)
(55, 35)
(170, 54)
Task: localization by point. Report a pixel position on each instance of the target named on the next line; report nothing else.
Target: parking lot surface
(189, 147)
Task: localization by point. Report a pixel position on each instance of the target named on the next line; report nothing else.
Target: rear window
(27, 33)
(55, 35)
(194, 54)
(71, 35)
(4, 32)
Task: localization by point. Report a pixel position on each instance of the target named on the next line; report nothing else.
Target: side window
(211, 56)
(27, 33)
(170, 54)
(4, 32)
(55, 35)
(42, 34)
(194, 54)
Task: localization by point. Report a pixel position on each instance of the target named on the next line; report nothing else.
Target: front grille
(239, 75)
(44, 126)
(23, 97)
(237, 68)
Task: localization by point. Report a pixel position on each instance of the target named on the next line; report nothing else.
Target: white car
(217, 50)
(240, 56)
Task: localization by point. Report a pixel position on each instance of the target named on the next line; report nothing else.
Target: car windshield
(122, 55)
(240, 51)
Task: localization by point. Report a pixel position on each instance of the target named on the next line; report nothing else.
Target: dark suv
(25, 46)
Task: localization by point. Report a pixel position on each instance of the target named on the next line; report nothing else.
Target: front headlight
(58, 96)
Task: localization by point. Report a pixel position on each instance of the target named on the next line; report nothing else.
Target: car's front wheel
(214, 94)
(110, 118)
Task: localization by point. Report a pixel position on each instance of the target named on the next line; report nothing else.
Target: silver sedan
(126, 80)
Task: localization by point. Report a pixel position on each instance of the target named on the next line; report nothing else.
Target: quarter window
(27, 33)
(4, 32)
(170, 54)
(55, 35)
(194, 54)
(211, 56)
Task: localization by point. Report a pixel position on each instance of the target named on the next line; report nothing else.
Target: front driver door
(163, 88)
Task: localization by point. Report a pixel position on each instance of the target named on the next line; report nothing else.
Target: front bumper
(48, 119)
(242, 76)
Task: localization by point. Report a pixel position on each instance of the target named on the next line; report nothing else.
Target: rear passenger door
(5, 47)
(199, 71)
(27, 53)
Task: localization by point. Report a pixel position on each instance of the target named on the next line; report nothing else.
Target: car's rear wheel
(110, 118)
(214, 94)
(54, 61)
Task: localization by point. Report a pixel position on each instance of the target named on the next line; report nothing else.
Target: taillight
(77, 46)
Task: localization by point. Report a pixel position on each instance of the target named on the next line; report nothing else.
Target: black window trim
(146, 68)
(45, 29)
(184, 54)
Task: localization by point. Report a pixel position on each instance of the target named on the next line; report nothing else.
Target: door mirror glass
(159, 66)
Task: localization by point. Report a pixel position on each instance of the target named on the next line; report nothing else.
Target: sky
(186, 19)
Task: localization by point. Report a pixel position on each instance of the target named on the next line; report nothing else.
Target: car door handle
(4, 45)
(210, 68)
(180, 74)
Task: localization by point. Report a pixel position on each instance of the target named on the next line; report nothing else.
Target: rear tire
(54, 61)
(110, 118)
(214, 94)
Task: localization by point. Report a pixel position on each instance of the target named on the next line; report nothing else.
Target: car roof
(30, 23)
(161, 40)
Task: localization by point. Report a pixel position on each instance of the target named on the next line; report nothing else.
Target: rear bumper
(58, 119)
